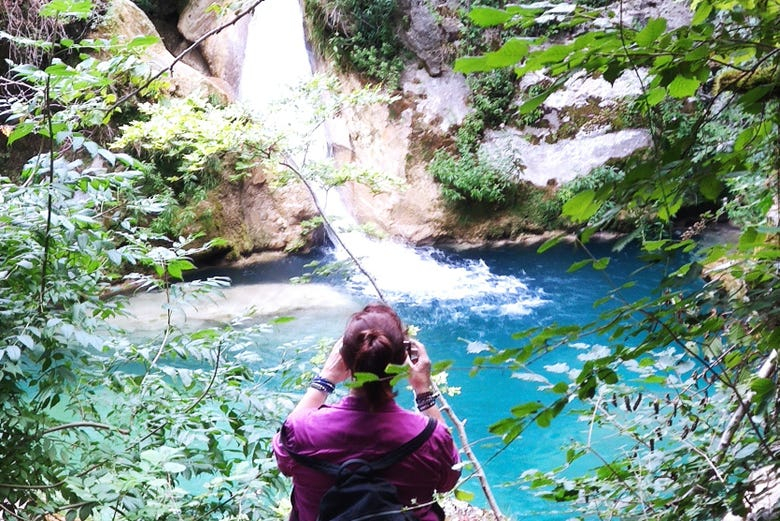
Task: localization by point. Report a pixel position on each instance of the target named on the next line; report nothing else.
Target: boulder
(256, 215)
(223, 51)
(545, 164)
(423, 35)
(126, 21)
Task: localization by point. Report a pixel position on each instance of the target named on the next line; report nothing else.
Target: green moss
(740, 81)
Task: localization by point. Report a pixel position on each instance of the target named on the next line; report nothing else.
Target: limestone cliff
(400, 139)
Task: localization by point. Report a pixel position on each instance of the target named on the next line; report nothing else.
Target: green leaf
(60, 70)
(710, 187)
(762, 387)
(655, 96)
(469, 64)
(489, 16)
(549, 243)
(651, 32)
(750, 239)
(545, 418)
(560, 388)
(607, 375)
(601, 264)
(732, 359)
(702, 13)
(669, 207)
(463, 495)
(582, 206)
(71, 8)
(142, 42)
(572, 455)
(177, 266)
(533, 103)
(361, 378)
(19, 131)
(509, 54)
(282, 320)
(577, 266)
(526, 409)
(755, 94)
(683, 87)
(654, 245)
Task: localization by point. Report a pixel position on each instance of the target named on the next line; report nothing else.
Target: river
(460, 301)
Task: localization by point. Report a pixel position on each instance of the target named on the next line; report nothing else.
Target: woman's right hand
(420, 370)
(334, 369)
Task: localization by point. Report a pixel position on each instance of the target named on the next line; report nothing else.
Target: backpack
(359, 493)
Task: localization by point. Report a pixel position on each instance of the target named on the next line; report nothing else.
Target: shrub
(360, 35)
(191, 143)
(467, 179)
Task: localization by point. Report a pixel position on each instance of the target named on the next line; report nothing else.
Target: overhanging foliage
(688, 380)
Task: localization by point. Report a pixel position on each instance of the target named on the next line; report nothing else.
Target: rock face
(223, 51)
(560, 162)
(424, 35)
(398, 140)
(255, 215)
(126, 20)
(252, 215)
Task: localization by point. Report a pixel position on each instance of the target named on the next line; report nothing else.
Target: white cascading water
(277, 61)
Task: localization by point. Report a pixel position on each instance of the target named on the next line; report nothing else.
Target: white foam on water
(423, 275)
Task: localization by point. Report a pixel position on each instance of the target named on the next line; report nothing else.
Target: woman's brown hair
(374, 337)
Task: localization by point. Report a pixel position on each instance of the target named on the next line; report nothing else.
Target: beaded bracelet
(425, 400)
(322, 384)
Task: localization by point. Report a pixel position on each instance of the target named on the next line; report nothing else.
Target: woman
(368, 423)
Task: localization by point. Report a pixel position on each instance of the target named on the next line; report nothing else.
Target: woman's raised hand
(334, 369)
(420, 370)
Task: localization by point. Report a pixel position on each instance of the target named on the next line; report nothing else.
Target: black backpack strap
(406, 449)
(385, 461)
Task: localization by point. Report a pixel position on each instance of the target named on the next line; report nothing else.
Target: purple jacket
(348, 430)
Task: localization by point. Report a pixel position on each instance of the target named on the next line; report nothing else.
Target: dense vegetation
(95, 424)
(98, 425)
(688, 378)
(359, 36)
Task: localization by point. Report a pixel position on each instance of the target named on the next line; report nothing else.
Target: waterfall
(276, 56)
(277, 61)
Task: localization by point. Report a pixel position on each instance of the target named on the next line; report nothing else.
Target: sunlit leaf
(582, 206)
(20, 131)
(654, 28)
(761, 387)
(578, 265)
(464, 495)
(683, 87)
(710, 187)
(488, 16)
